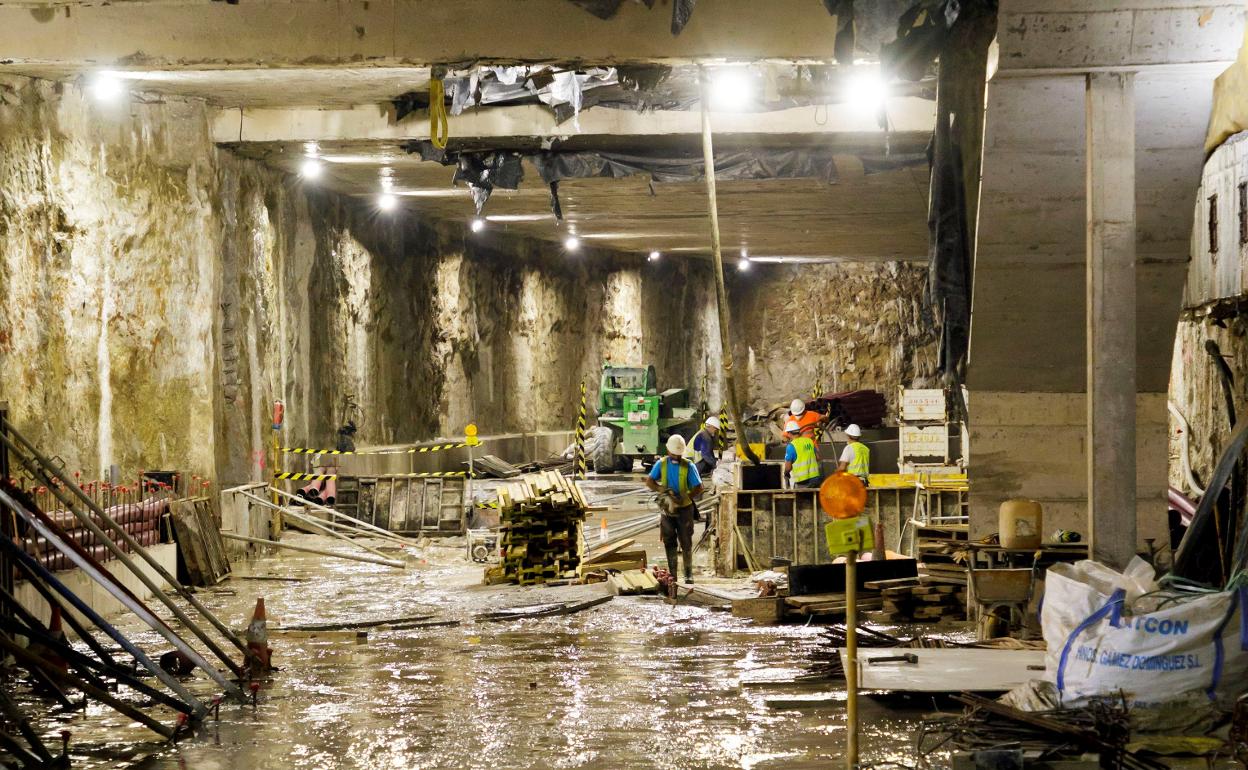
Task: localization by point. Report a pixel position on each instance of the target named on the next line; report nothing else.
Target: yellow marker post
(844, 498)
(470, 438)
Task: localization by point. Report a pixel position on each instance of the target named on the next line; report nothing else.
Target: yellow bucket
(760, 451)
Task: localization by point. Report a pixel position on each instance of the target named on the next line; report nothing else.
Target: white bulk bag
(1105, 641)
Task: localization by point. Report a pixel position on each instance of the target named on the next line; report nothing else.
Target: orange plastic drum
(842, 496)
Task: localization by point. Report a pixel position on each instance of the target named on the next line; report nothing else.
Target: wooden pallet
(540, 521)
(200, 546)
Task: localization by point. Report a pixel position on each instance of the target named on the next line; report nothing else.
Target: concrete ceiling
(299, 74)
(860, 217)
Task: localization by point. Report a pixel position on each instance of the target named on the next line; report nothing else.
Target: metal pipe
(316, 525)
(144, 578)
(182, 590)
(721, 293)
(121, 707)
(305, 549)
(121, 594)
(851, 660)
(105, 626)
(361, 524)
(88, 667)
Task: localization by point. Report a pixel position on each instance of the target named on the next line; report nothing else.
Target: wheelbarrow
(1001, 598)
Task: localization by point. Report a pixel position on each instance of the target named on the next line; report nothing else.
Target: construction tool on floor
(908, 657)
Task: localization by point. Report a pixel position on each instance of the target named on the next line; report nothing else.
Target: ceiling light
(106, 86)
(310, 169)
(572, 243)
(477, 224)
(744, 263)
(866, 91)
(387, 201)
(731, 89)
(654, 256)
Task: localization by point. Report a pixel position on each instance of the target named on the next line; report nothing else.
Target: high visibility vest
(682, 480)
(860, 465)
(806, 466)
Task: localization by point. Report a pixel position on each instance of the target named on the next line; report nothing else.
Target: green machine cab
(640, 417)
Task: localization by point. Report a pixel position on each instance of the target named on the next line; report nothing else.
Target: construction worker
(703, 444)
(678, 484)
(807, 420)
(856, 457)
(801, 459)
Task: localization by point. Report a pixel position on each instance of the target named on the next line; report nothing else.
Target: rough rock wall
(106, 334)
(1196, 391)
(846, 326)
(161, 294)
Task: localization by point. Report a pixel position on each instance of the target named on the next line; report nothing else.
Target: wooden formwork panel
(789, 524)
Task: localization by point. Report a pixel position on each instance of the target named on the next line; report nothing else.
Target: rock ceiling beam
(374, 123)
(192, 34)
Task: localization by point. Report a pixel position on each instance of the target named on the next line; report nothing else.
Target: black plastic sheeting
(484, 171)
(742, 164)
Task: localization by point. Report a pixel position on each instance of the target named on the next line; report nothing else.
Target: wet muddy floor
(633, 683)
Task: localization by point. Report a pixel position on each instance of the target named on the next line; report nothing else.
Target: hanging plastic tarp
(815, 163)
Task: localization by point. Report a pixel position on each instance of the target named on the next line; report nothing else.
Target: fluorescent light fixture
(731, 89)
(571, 243)
(437, 192)
(866, 91)
(311, 169)
(654, 256)
(519, 217)
(477, 224)
(387, 201)
(106, 86)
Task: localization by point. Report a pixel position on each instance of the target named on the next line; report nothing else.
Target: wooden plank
(767, 609)
(600, 554)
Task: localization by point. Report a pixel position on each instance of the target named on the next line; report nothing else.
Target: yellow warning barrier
(298, 450)
(325, 477)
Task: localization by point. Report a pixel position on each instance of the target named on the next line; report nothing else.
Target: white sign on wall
(923, 405)
(931, 441)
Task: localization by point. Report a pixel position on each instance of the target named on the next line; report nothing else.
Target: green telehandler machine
(640, 417)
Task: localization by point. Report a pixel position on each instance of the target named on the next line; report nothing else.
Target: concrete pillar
(1110, 108)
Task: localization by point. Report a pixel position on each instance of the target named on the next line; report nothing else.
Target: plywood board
(948, 670)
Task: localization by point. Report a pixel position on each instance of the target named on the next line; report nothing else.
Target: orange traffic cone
(258, 640)
(57, 632)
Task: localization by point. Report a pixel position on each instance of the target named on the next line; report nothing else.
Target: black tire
(624, 463)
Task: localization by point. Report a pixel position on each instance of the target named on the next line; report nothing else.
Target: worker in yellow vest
(678, 484)
(801, 458)
(856, 457)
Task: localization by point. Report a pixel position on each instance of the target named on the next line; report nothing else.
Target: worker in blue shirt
(678, 484)
(703, 454)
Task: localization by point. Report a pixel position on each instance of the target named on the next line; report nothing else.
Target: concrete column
(1110, 108)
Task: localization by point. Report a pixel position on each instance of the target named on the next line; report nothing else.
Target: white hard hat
(797, 407)
(854, 430)
(676, 444)
(713, 421)
(792, 427)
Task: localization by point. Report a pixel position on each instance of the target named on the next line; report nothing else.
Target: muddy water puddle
(633, 683)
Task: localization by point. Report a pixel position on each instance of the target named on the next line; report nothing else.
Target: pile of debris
(541, 516)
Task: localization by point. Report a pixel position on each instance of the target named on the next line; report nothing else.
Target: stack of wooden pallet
(918, 600)
(540, 515)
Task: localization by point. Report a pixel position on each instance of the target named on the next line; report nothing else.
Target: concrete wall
(1034, 445)
(847, 326)
(96, 597)
(161, 293)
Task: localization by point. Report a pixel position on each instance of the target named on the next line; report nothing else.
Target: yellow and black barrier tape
(581, 465)
(299, 450)
(327, 477)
